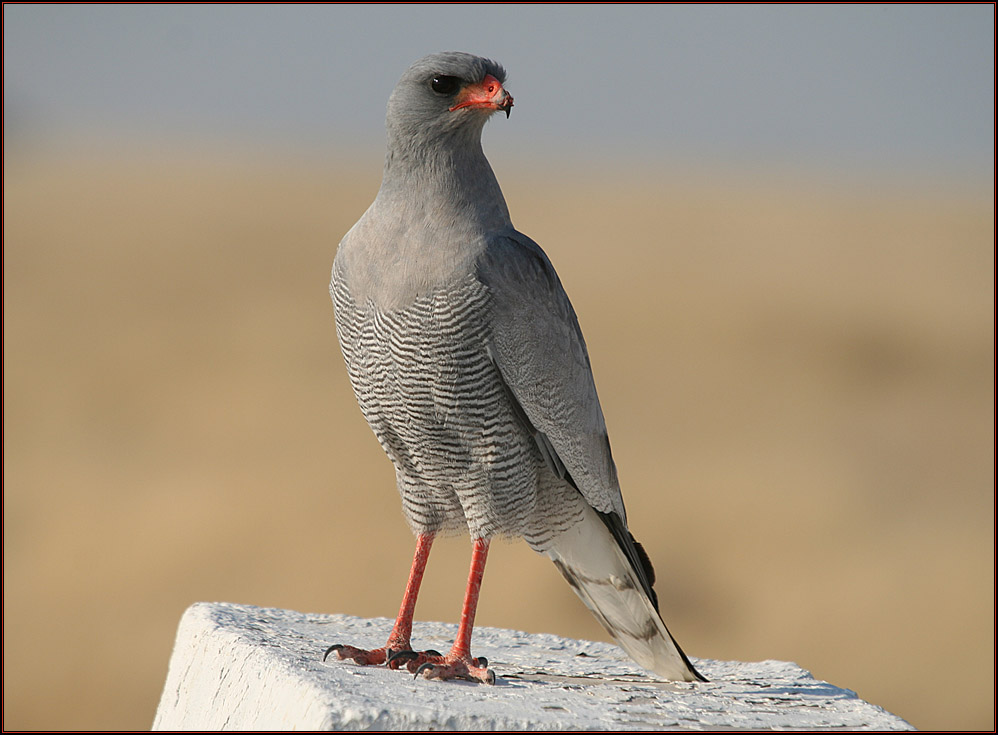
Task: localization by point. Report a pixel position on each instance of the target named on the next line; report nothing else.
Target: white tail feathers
(593, 562)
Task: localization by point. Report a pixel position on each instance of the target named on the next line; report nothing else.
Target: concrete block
(250, 668)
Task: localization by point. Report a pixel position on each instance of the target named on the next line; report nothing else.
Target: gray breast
(427, 387)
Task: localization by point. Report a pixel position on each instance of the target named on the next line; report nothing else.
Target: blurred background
(777, 227)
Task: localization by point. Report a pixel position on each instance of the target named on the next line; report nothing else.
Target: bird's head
(447, 94)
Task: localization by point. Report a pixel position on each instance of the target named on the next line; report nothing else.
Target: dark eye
(442, 84)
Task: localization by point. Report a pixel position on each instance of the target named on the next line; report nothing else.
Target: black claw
(423, 668)
(401, 656)
(334, 647)
(482, 662)
(432, 652)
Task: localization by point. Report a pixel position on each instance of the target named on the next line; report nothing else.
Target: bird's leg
(458, 664)
(398, 648)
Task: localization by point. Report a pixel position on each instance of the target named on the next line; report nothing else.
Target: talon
(400, 657)
(421, 669)
(433, 652)
(469, 670)
(334, 647)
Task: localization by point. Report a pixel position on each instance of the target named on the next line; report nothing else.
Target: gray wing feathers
(536, 343)
(538, 347)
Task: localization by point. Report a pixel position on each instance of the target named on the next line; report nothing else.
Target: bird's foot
(362, 656)
(457, 667)
(394, 658)
(412, 660)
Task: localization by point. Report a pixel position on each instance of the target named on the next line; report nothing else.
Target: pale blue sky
(870, 87)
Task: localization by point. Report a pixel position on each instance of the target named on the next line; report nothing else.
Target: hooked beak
(486, 95)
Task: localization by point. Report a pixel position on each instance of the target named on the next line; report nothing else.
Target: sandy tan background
(798, 380)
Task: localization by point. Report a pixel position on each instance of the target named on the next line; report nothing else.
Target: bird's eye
(442, 84)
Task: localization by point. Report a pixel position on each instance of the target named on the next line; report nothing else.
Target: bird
(467, 360)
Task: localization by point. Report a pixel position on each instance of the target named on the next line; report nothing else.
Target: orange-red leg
(398, 648)
(459, 664)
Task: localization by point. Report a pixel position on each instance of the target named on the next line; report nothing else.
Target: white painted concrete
(244, 667)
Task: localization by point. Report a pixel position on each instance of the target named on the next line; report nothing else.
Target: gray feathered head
(445, 95)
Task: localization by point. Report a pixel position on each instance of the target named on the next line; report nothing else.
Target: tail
(613, 576)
